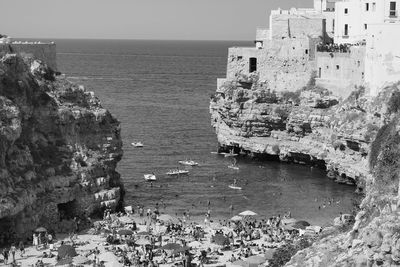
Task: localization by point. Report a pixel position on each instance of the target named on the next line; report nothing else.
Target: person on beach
(13, 249)
(21, 248)
(5, 256)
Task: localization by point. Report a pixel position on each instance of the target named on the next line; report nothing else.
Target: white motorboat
(188, 162)
(230, 155)
(234, 167)
(137, 144)
(150, 177)
(232, 186)
(177, 172)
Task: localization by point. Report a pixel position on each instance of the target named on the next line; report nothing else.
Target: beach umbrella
(80, 260)
(301, 224)
(248, 213)
(143, 233)
(256, 260)
(65, 251)
(171, 246)
(142, 242)
(64, 262)
(125, 232)
(41, 230)
(221, 240)
(181, 249)
(288, 221)
(236, 218)
(168, 219)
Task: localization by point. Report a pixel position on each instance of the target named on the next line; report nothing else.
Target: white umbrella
(248, 213)
(236, 218)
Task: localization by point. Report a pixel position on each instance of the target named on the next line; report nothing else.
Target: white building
(382, 60)
(353, 18)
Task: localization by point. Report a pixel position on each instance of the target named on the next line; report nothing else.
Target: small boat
(177, 172)
(214, 152)
(232, 186)
(188, 162)
(150, 177)
(137, 144)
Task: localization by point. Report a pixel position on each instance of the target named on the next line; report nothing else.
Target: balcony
(393, 14)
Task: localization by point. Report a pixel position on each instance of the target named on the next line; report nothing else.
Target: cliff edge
(58, 150)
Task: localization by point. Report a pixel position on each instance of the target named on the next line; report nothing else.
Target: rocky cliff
(356, 139)
(58, 150)
(309, 126)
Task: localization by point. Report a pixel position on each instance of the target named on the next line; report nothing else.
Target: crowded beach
(136, 238)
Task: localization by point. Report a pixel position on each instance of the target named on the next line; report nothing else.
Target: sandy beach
(164, 240)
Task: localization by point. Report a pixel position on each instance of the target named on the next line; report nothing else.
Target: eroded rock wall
(309, 127)
(58, 150)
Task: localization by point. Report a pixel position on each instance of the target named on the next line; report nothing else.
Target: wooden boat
(177, 172)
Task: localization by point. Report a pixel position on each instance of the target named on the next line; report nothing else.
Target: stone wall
(296, 26)
(340, 72)
(43, 52)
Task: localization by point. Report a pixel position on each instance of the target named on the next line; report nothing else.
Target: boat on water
(235, 187)
(177, 172)
(230, 155)
(137, 144)
(188, 162)
(150, 177)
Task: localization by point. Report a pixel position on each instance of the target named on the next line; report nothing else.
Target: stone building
(345, 43)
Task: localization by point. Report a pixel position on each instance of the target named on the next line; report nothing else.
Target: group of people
(342, 48)
(9, 254)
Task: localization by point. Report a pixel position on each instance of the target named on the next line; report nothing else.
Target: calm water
(160, 90)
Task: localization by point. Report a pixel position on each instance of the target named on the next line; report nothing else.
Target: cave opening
(68, 210)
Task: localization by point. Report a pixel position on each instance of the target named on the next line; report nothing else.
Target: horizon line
(132, 39)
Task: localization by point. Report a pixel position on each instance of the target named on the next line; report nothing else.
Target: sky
(139, 19)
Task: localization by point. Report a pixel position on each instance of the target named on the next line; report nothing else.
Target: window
(252, 64)
(306, 51)
(240, 57)
(358, 63)
(346, 11)
(319, 73)
(365, 26)
(337, 67)
(346, 29)
(392, 11)
(333, 24)
(366, 6)
(373, 7)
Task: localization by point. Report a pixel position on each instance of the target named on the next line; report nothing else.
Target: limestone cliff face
(308, 127)
(58, 150)
(357, 139)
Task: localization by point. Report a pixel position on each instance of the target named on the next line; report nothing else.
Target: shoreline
(265, 237)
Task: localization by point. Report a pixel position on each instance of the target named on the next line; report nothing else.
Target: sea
(160, 91)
